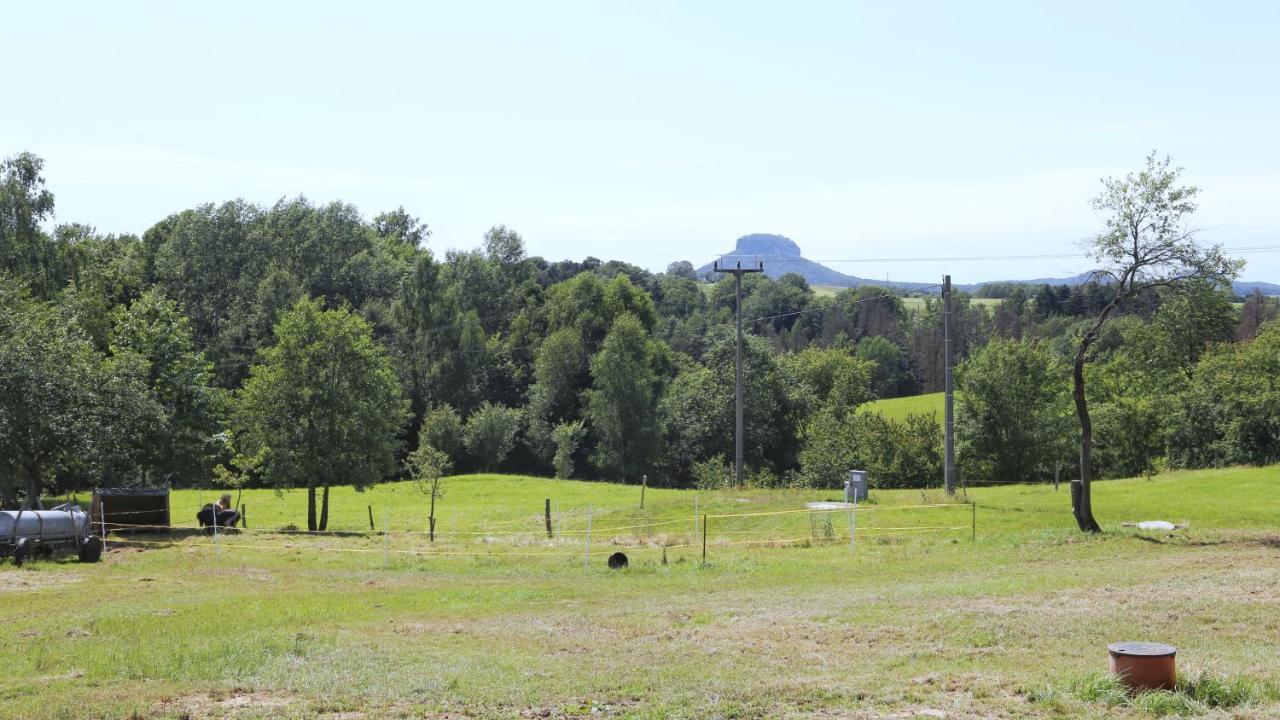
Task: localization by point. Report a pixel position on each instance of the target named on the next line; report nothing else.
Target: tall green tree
(1147, 243)
(622, 404)
(697, 408)
(561, 377)
(25, 250)
(49, 375)
(322, 406)
(1194, 316)
(183, 444)
(1012, 413)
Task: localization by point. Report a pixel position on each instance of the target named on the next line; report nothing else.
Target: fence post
(644, 483)
(547, 515)
(371, 527)
(704, 539)
(586, 554)
(853, 522)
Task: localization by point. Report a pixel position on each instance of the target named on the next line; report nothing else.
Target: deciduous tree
(321, 407)
(1147, 243)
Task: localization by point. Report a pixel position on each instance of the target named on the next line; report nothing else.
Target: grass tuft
(1101, 687)
(1195, 694)
(1217, 691)
(1163, 703)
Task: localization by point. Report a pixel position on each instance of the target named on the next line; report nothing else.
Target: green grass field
(786, 619)
(900, 408)
(911, 303)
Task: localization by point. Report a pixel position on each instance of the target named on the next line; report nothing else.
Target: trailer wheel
(22, 550)
(90, 549)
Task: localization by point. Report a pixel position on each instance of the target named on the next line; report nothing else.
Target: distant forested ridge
(230, 343)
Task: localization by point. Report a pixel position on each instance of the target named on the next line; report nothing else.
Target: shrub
(906, 454)
(711, 474)
(490, 434)
(567, 436)
(442, 430)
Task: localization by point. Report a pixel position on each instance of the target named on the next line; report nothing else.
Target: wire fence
(705, 533)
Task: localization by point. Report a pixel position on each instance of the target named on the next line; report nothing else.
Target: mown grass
(270, 625)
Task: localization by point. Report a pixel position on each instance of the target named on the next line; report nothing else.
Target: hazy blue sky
(657, 131)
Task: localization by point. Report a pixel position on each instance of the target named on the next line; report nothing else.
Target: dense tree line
(302, 345)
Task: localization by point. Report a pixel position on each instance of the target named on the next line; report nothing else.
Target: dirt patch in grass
(20, 581)
(230, 704)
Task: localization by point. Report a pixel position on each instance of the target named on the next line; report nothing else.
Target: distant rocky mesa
(781, 255)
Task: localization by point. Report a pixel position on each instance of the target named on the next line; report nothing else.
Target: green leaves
(1012, 413)
(323, 405)
(622, 405)
(49, 400)
(490, 434)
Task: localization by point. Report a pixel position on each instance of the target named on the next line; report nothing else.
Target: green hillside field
(900, 408)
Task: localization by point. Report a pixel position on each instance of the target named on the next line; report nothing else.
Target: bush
(567, 436)
(1013, 415)
(442, 430)
(906, 454)
(1230, 411)
(490, 434)
(711, 474)
(1128, 437)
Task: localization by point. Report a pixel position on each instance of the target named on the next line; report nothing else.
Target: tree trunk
(1081, 502)
(33, 485)
(311, 508)
(324, 509)
(431, 519)
(8, 493)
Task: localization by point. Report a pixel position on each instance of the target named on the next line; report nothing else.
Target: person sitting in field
(218, 514)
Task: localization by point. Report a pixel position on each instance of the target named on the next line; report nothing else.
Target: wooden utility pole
(737, 268)
(949, 429)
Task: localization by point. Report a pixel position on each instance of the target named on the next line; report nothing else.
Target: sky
(658, 131)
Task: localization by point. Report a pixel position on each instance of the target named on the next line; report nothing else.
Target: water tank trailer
(65, 529)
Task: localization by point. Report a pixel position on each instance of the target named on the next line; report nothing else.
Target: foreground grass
(268, 625)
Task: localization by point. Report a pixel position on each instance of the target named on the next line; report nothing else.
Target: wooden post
(644, 483)
(704, 539)
(244, 515)
(547, 514)
(371, 528)
(586, 553)
(431, 519)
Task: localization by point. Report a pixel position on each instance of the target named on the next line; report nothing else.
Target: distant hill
(781, 255)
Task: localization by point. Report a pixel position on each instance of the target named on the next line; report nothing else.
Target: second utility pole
(949, 431)
(737, 269)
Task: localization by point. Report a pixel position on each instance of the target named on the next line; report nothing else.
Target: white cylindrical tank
(43, 525)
